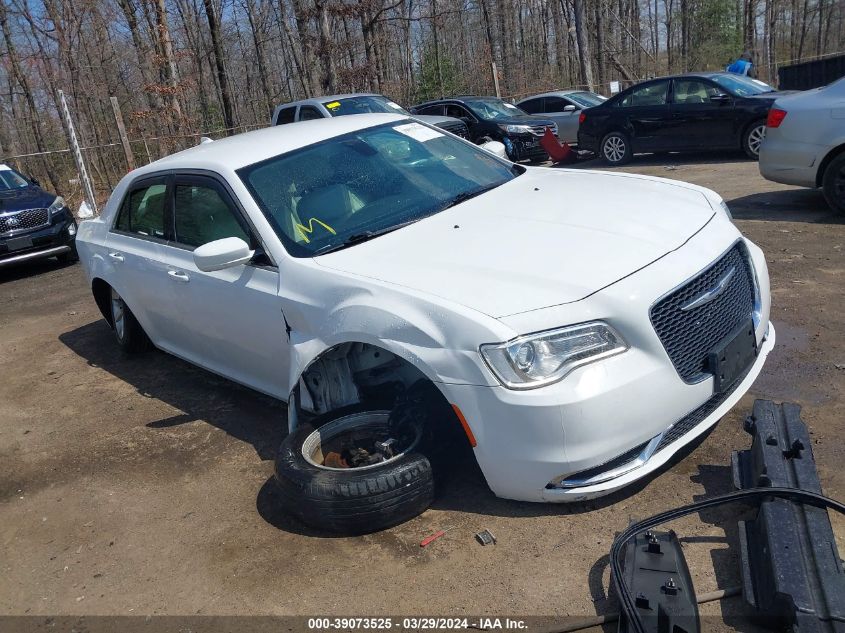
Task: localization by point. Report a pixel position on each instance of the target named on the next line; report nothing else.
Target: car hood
(24, 198)
(545, 238)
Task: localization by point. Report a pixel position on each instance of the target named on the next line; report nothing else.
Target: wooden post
(496, 79)
(76, 152)
(121, 130)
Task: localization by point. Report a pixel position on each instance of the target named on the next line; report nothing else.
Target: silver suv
(358, 103)
(805, 142)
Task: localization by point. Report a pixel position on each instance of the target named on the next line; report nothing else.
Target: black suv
(491, 119)
(33, 223)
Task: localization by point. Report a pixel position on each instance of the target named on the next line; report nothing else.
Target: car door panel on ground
(229, 321)
(135, 252)
(702, 114)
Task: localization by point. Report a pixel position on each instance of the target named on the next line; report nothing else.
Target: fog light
(71, 229)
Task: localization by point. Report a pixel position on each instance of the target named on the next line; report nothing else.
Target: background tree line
(180, 68)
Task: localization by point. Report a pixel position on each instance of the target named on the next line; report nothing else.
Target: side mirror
(35, 182)
(569, 108)
(220, 254)
(495, 147)
(467, 120)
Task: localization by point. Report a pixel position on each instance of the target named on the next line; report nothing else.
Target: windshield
(742, 86)
(10, 179)
(363, 105)
(586, 99)
(327, 195)
(493, 109)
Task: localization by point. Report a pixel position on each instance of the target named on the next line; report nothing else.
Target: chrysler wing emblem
(710, 295)
(13, 221)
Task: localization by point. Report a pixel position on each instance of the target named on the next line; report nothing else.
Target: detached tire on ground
(355, 500)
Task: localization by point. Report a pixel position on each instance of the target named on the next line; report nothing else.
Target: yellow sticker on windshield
(310, 228)
(333, 105)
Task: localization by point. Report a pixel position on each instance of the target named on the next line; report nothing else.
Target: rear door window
(309, 113)
(533, 106)
(655, 94)
(143, 211)
(286, 115)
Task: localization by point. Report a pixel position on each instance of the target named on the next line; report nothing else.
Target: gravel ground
(141, 486)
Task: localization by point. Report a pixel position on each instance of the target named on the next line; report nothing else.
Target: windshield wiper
(467, 195)
(364, 236)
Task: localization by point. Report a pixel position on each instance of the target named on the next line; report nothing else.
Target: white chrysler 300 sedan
(583, 326)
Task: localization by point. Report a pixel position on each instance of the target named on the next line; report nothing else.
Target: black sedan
(491, 119)
(697, 111)
(34, 224)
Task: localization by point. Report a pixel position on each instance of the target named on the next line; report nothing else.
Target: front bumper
(588, 430)
(50, 241)
(525, 148)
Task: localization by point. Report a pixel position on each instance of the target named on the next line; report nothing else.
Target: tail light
(775, 117)
(582, 118)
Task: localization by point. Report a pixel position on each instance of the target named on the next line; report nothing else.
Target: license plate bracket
(19, 243)
(732, 356)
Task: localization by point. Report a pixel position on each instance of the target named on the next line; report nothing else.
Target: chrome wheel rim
(755, 138)
(118, 314)
(316, 445)
(614, 149)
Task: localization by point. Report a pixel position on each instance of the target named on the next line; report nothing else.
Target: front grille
(459, 129)
(689, 335)
(24, 220)
(540, 130)
(691, 420)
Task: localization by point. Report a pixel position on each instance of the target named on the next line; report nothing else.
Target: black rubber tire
(833, 183)
(746, 139)
(133, 340)
(626, 155)
(354, 501)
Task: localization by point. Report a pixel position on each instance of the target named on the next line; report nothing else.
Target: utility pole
(75, 150)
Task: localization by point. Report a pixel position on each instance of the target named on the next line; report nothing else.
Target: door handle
(116, 256)
(179, 276)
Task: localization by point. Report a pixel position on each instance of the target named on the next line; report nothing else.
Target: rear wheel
(833, 183)
(128, 332)
(616, 148)
(753, 138)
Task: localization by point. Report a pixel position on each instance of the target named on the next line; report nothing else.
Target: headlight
(725, 208)
(540, 359)
(516, 129)
(57, 205)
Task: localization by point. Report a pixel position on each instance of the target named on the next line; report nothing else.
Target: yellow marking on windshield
(333, 105)
(310, 228)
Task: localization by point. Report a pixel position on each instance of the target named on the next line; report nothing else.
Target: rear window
(143, 211)
(286, 115)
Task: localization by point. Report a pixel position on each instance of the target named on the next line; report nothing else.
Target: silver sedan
(805, 142)
(564, 108)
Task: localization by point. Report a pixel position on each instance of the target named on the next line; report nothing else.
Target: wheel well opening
(831, 155)
(352, 373)
(102, 297)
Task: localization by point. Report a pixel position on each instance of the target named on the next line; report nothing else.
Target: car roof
(457, 98)
(321, 99)
(553, 93)
(240, 150)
